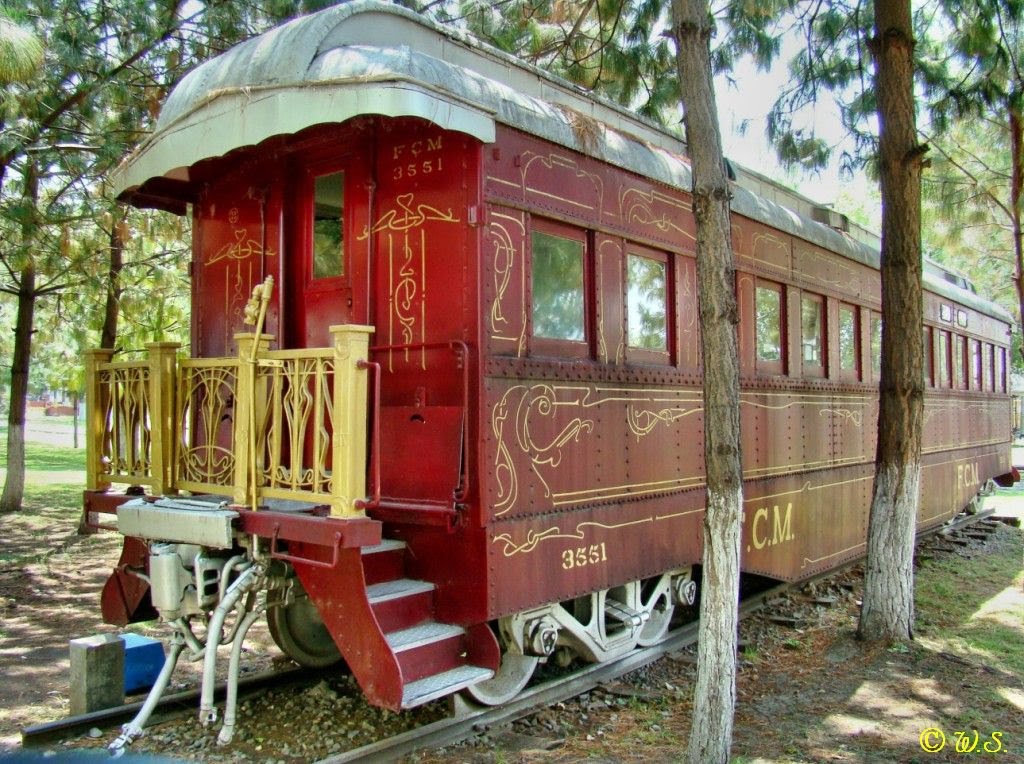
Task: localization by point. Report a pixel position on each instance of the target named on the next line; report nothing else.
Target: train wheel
(513, 674)
(300, 633)
(655, 598)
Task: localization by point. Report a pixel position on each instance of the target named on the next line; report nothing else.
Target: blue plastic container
(143, 659)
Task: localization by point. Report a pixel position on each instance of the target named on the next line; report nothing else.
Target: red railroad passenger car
(468, 434)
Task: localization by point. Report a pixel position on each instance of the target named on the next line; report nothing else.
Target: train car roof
(372, 57)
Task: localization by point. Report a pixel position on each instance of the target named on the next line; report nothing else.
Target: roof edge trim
(237, 117)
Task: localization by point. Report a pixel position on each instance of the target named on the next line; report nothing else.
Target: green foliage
(103, 72)
(100, 74)
(21, 52)
(612, 47)
(967, 208)
(971, 619)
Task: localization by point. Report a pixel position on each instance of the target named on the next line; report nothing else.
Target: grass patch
(971, 614)
(43, 458)
(54, 495)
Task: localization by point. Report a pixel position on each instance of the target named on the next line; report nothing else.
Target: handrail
(374, 501)
(277, 554)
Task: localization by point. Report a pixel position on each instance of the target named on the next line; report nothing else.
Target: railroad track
(466, 720)
(171, 706)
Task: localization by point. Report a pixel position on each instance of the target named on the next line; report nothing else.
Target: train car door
(327, 273)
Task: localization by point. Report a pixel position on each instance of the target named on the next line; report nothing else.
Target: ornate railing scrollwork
(193, 425)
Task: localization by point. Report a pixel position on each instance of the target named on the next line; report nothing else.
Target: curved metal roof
(371, 57)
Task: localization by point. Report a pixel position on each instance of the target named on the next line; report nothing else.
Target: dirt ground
(48, 598)
(807, 691)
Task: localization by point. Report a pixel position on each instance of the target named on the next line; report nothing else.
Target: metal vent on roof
(831, 218)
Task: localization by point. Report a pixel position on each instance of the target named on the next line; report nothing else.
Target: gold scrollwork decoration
(855, 417)
(642, 422)
(206, 396)
(406, 216)
(638, 208)
(534, 538)
(505, 476)
(557, 162)
(542, 401)
(506, 260)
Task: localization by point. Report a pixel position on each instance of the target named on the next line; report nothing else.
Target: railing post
(351, 345)
(95, 415)
(247, 412)
(163, 365)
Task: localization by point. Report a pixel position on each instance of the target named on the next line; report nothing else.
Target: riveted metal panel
(559, 555)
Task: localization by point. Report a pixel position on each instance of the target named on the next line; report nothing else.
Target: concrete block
(97, 673)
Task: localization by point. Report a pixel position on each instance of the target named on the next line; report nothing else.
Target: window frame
(554, 346)
(819, 370)
(310, 172)
(976, 359)
(944, 378)
(846, 373)
(961, 371)
(647, 355)
(767, 366)
(929, 356)
(875, 319)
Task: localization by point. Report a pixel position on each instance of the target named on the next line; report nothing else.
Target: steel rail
(468, 719)
(170, 706)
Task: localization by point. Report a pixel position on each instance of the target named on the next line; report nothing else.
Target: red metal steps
(433, 658)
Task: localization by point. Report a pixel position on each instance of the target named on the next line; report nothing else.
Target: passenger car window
(929, 358)
(975, 364)
(646, 301)
(768, 322)
(959, 371)
(876, 346)
(943, 373)
(812, 312)
(328, 225)
(558, 287)
(849, 342)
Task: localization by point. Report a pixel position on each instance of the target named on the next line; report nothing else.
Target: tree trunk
(1016, 187)
(74, 404)
(108, 334)
(715, 692)
(14, 485)
(888, 610)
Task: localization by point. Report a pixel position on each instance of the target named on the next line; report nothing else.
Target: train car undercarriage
(210, 579)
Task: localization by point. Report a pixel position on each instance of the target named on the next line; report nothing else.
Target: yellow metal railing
(285, 424)
(206, 392)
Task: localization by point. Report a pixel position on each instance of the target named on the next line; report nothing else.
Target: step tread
(386, 545)
(422, 634)
(392, 590)
(439, 685)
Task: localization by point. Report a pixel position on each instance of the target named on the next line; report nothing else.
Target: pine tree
(715, 691)
(105, 70)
